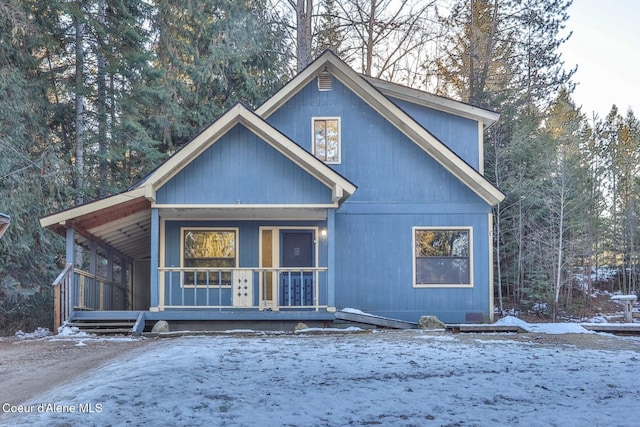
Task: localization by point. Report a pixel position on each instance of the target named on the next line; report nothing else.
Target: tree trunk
(102, 108)
(79, 113)
(303, 9)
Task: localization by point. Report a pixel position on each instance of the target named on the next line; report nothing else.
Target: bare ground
(32, 366)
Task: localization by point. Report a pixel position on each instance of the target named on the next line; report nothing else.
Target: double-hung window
(326, 139)
(211, 253)
(442, 256)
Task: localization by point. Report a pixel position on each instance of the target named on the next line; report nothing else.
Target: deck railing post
(101, 303)
(61, 288)
(316, 290)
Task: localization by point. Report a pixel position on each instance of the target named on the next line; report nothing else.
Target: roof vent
(325, 81)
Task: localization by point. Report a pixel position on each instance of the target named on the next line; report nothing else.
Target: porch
(196, 294)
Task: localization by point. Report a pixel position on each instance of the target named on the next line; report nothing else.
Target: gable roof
(328, 61)
(239, 114)
(123, 221)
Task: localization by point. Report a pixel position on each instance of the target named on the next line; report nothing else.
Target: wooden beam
(112, 213)
(370, 319)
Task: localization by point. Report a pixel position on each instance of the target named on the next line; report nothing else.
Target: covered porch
(128, 257)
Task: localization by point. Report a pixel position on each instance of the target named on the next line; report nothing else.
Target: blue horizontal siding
(241, 168)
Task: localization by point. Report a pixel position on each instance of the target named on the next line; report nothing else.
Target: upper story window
(442, 256)
(326, 139)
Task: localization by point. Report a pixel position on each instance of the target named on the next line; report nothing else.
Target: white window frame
(313, 138)
(237, 249)
(469, 229)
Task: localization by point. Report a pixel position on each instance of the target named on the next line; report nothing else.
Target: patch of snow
(72, 331)
(598, 319)
(544, 328)
(558, 328)
(388, 378)
(37, 334)
(353, 310)
(513, 321)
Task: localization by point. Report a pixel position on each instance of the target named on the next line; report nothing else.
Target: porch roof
(121, 222)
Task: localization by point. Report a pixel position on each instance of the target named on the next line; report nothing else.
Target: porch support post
(93, 258)
(125, 267)
(155, 259)
(110, 287)
(331, 259)
(96, 290)
(70, 254)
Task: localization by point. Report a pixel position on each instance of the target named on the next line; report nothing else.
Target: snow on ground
(409, 378)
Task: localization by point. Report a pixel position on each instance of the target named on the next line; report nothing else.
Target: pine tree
(331, 32)
(211, 54)
(29, 181)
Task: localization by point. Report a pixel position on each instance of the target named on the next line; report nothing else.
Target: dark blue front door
(296, 285)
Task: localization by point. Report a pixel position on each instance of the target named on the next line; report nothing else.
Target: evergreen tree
(331, 33)
(209, 55)
(620, 152)
(29, 181)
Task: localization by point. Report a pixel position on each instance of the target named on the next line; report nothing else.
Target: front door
(296, 253)
(297, 248)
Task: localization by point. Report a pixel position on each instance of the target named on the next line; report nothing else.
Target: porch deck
(137, 322)
(249, 298)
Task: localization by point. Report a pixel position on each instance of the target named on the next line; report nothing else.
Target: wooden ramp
(372, 320)
(614, 328)
(479, 328)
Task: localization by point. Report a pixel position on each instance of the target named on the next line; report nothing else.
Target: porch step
(106, 323)
(104, 328)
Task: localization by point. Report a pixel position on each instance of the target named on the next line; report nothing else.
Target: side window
(442, 256)
(326, 139)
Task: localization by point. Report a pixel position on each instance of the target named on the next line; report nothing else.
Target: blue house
(340, 191)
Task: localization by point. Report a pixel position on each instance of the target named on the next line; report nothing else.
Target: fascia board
(62, 217)
(436, 102)
(414, 131)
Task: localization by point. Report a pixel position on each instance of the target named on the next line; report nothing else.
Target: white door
(242, 288)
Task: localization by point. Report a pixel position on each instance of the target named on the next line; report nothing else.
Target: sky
(605, 45)
(398, 378)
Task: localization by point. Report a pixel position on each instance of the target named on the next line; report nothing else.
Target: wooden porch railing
(75, 289)
(93, 292)
(62, 304)
(261, 288)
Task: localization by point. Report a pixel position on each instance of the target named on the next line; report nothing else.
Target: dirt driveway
(32, 366)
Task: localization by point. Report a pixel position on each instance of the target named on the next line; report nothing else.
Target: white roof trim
(401, 120)
(242, 115)
(436, 102)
